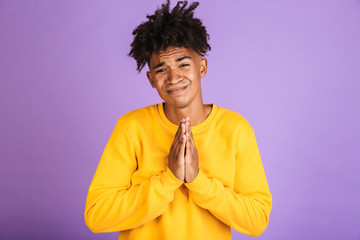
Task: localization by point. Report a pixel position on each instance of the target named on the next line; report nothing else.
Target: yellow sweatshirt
(133, 190)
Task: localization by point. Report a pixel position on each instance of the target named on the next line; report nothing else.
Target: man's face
(176, 74)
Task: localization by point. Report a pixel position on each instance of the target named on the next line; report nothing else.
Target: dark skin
(176, 74)
(191, 155)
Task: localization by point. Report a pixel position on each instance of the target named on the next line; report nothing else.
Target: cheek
(194, 76)
(191, 74)
(160, 87)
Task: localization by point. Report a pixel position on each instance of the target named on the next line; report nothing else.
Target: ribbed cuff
(169, 181)
(200, 186)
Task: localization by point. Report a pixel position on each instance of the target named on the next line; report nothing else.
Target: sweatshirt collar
(195, 129)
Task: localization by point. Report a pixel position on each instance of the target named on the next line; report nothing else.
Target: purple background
(291, 68)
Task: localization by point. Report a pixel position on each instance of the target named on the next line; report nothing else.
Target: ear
(150, 77)
(203, 67)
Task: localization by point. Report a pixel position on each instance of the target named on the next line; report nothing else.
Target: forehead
(171, 54)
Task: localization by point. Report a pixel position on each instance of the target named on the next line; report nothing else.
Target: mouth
(176, 90)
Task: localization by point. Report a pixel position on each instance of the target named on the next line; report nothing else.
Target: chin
(178, 103)
(184, 105)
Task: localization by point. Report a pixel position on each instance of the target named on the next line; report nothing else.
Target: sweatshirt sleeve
(245, 207)
(113, 203)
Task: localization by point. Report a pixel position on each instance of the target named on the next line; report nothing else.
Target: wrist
(193, 176)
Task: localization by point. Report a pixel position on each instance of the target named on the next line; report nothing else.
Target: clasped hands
(183, 156)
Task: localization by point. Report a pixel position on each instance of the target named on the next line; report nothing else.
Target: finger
(178, 140)
(187, 125)
(183, 143)
(191, 137)
(180, 147)
(179, 144)
(182, 132)
(179, 130)
(188, 144)
(188, 128)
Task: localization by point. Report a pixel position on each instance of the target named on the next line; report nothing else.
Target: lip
(177, 90)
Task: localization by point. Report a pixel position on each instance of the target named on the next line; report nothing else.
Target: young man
(181, 169)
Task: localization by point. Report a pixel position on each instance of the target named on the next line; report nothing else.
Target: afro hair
(176, 28)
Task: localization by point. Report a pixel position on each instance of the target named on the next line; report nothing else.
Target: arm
(113, 202)
(245, 207)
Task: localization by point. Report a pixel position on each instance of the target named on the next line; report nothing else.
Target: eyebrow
(182, 58)
(177, 60)
(158, 65)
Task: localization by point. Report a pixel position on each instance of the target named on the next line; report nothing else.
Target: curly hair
(176, 28)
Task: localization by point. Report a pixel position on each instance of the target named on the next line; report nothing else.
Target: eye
(184, 65)
(160, 70)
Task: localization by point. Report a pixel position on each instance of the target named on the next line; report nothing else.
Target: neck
(197, 113)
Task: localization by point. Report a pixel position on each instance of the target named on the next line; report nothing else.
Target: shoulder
(139, 118)
(234, 127)
(232, 120)
(138, 114)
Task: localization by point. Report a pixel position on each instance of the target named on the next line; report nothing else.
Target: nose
(174, 76)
